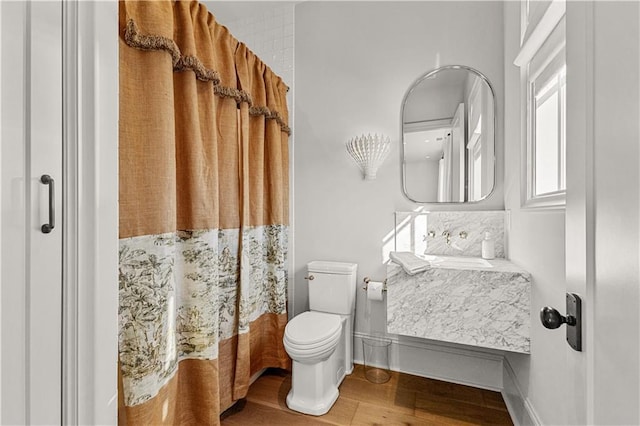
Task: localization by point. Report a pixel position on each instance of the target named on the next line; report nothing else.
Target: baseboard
(520, 408)
(256, 376)
(441, 361)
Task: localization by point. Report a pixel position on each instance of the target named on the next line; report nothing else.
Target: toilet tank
(333, 286)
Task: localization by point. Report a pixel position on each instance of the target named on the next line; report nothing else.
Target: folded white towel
(411, 263)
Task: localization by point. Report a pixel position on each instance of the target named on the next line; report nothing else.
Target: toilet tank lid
(329, 267)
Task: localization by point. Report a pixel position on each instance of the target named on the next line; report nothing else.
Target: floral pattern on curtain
(203, 215)
(161, 324)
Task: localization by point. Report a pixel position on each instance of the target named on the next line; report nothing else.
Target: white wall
(354, 61)
(536, 242)
(422, 179)
(266, 27)
(434, 103)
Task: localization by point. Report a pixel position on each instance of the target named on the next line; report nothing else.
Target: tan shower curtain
(203, 215)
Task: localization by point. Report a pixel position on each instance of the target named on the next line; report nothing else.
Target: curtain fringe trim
(134, 39)
(272, 115)
(194, 64)
(237, 94)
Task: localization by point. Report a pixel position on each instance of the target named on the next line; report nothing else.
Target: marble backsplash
(422, 232)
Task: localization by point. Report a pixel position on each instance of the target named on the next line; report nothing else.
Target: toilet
(320, 341)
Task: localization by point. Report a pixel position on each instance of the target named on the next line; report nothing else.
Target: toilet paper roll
(374, 290)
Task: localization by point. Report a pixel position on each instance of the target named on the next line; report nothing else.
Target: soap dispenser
(488, 246)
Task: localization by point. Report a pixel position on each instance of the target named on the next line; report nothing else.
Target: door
(31, 260)
(602, 212)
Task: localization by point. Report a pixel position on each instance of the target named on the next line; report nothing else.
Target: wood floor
(403, 400)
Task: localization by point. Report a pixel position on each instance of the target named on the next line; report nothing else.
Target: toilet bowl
(312, 337)
(320, 341)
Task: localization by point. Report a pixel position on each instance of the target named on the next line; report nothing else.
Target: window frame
(545, 39)
(551, 67)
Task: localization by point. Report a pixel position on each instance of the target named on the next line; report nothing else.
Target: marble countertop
(471, 263)
(462, 300)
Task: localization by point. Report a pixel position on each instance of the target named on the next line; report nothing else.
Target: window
(542, 62)
(547, 139)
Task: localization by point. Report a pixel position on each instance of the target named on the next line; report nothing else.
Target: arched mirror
(448, 137)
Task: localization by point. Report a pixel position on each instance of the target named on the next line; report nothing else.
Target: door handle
(552, 319)
(48, 227)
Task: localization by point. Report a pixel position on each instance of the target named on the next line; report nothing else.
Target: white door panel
(31, 123)
(45, 297)
(14, 214)
(603, 207)
(616, 378)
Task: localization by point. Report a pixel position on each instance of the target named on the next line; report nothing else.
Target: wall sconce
(369, 152)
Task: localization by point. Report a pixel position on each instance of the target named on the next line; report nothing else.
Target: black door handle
(48, 227)
(551, 318)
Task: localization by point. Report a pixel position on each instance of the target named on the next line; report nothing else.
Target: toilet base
(314, 387)
(319, 408)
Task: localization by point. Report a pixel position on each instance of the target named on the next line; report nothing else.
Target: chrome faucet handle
(463, 235)
(432, 233)
(447, 235)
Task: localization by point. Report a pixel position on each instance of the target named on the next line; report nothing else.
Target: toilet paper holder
(367, 280)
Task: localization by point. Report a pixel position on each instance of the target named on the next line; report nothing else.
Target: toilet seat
(310, 328)
(314, 347)
(312, 335)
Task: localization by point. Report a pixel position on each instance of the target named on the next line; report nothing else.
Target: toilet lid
(312, 327)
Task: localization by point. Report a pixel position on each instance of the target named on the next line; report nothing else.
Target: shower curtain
(203, 151)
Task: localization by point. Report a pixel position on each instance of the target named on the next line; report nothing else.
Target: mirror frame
(403, 166)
